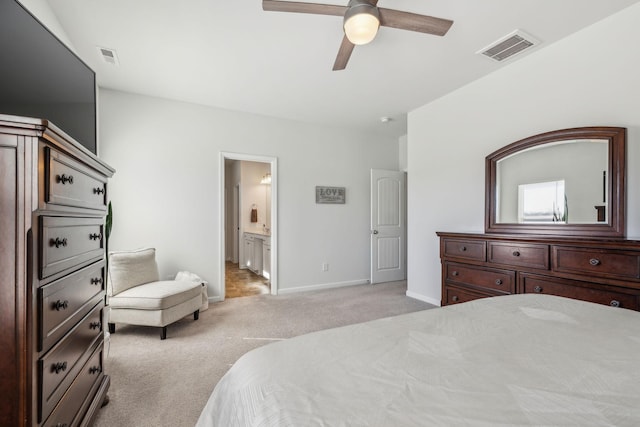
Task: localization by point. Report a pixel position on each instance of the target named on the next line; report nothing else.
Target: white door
(388, 226)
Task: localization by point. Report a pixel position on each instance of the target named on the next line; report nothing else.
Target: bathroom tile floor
(243, 283)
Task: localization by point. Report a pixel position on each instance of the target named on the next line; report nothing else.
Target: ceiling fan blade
(299, 7)
(344, 53)
(414, 22)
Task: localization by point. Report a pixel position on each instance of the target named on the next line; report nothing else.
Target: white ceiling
(231, 54)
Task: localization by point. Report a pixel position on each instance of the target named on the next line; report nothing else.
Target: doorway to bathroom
(248, 226)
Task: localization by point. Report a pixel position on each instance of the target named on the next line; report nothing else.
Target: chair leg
(163, 333)
(112, 328)
(196, 315)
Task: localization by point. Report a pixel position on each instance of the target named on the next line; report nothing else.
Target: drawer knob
(57, 242)
(95, 236)
(96, 280)
(61, 305)
(516, 253)
(537, 289)
(614, 303)
(454, 273)
(59, 367)
(498, 281)
(463, 248)
(594, 261)
(454, 298)
(64, 179)
(98, 190)
(94, 369)
(95, 325)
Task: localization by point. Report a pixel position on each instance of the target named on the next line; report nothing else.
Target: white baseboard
(323, 286)
(423, 298)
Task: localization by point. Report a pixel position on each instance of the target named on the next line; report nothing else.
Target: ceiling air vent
(108, 55)
(509, 45)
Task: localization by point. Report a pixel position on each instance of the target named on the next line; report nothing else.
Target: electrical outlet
(325, 266)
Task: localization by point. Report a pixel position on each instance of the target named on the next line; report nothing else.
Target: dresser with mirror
(554, 224)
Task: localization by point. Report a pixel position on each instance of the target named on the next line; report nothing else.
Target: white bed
(511, 360)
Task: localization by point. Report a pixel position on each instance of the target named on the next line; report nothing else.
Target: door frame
(273, 162)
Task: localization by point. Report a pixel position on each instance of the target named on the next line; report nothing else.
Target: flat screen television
(40, 77)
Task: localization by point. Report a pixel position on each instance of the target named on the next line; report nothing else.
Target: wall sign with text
(330, 195)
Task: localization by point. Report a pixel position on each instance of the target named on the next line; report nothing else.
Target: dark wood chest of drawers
(52, 276)
(597, 270)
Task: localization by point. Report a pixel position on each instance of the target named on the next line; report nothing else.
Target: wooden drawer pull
(94, 370)
(95, 236)
(615, 303)
(537, 289)
(594, 261)
(454, 273)
(61, 305)
(57, 242)
(64, 179)
(463, 248)
(98, 190)
(59, 367)
(516, 253)
(454, 298)
(498, 281)
(96, 280)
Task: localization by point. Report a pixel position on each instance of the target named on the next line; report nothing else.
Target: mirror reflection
(542, 202)
(558, 183)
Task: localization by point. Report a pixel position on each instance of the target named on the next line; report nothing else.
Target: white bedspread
(511, 361)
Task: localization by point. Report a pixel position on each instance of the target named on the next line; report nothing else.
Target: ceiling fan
(361, 21)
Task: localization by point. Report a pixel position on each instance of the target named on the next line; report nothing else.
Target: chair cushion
(156, 295)
(131, 268)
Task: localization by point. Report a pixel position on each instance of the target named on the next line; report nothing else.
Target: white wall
(41, 10)
(403, 143)
(165, 190)
(587, 79)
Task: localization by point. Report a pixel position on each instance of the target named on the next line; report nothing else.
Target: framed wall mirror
(568, 182)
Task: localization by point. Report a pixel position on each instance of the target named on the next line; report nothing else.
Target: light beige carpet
(167, 383)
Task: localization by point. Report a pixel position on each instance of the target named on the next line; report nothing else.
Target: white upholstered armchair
(137, 296)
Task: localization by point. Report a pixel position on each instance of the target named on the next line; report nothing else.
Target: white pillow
(131, 268)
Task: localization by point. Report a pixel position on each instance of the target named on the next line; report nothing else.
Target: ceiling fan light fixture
(361, 22)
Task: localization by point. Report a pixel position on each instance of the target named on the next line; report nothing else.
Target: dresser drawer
(597, 262)
(500, 280)
(64, 302)
(72, 406)
(464, 249)
(527, 255)
(70, 183)
(60, 366)
(456, 295)
(578, 290)
(68, 242)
